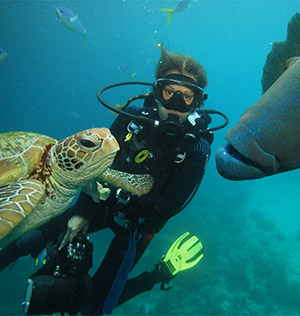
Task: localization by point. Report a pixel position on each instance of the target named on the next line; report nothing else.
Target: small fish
(3, 55)
(180, 6)
(71, 21)
(124, 71)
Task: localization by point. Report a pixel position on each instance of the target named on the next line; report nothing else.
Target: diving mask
(178, 101)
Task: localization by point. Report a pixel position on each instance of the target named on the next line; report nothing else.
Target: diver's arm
(82, 211)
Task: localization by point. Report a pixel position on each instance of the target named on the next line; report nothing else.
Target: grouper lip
(252, 153)
(244, 167)
(236, 155)
(234, 166)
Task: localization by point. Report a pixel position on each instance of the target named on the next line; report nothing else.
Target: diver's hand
(76, 224)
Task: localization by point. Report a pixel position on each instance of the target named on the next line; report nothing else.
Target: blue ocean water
(250, 229)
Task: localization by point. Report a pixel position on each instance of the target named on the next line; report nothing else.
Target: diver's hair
(184, 64)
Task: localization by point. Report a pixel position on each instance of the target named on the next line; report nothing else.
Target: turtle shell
(20, 154)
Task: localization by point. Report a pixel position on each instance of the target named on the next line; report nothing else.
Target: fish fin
(3, 56)
(291, 61)
(119, 107)
(84, 42)
(73, 18)
(276, 62)
(84, 39)
(132, 76)
(170, 13)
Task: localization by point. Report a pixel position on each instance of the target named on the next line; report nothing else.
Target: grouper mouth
(236, 155)
(233, 165)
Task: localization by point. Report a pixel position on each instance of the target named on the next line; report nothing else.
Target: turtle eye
(90, 141)
(86, 143)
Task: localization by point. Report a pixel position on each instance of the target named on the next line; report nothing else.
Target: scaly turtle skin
(39, 176)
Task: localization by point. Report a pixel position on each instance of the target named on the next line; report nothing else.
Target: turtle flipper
(16, 202)
(138, 184)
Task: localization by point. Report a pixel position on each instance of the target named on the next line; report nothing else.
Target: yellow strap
(128, 137)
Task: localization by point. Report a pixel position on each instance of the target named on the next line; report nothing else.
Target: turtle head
(82, 157)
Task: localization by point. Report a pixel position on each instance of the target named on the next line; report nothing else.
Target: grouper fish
(71, 21)
(266, 139)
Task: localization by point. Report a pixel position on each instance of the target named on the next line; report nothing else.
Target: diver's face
(167, 93)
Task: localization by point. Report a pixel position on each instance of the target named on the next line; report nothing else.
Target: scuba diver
(168, 137)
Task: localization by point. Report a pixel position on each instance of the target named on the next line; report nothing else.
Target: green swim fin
(186, 252)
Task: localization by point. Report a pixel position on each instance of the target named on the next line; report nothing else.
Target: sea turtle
(40, 176)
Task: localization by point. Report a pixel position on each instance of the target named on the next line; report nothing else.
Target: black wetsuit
(177, 167)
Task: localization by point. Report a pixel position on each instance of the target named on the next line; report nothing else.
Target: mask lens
(165, 94)
(168, 92)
